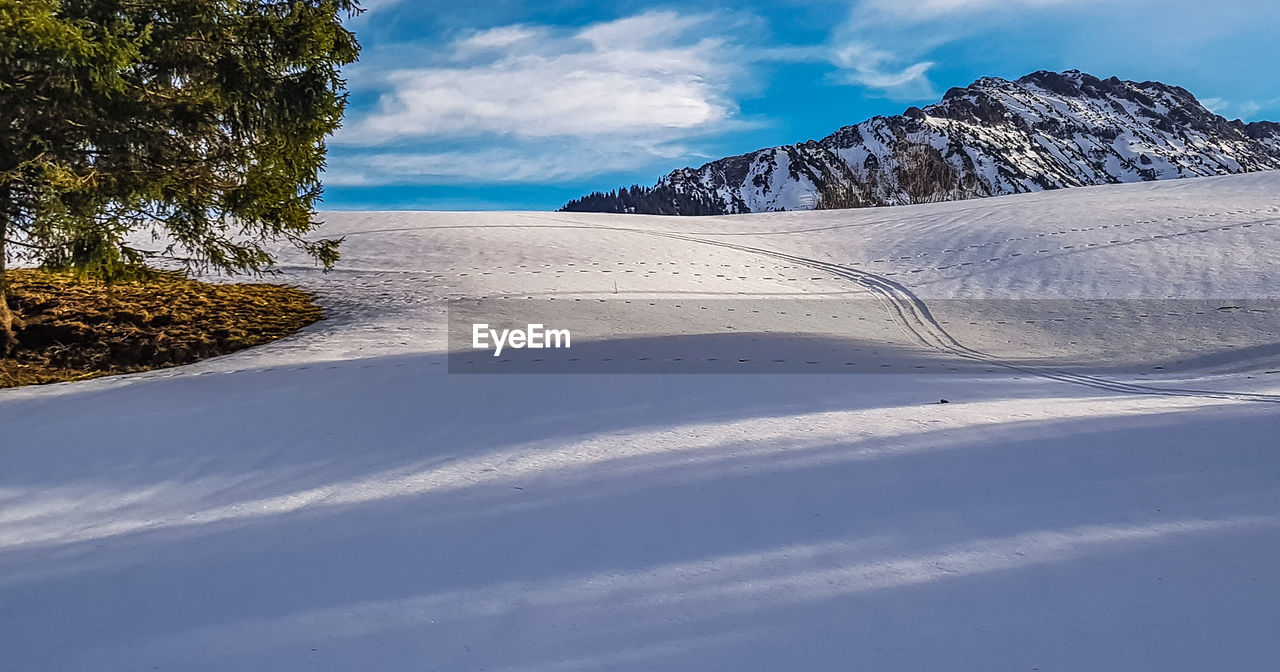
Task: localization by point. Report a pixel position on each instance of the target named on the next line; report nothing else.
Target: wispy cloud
(646, 75)
(1248, 110)
(864, 65)
(519, 163)
(885, 45)
(530, 103)
(919, 11)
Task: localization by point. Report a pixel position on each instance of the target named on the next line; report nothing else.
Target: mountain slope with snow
(995, 137)
(339, 501)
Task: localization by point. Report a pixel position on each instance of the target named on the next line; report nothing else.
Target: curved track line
(913, 317)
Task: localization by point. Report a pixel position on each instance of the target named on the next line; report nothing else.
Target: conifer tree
(202, 121)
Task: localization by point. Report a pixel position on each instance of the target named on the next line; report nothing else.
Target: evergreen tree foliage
(202, 121)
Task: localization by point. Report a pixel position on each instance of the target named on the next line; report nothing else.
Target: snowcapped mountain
(1044, 131)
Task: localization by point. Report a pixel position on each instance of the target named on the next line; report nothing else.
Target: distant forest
(659, 200)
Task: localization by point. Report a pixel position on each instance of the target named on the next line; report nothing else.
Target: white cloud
(884, 45)
(1215, 105)
(495, 40)
(914, 11)
(526, 163)
(649, 30)
(645, 76)
(1247, 110)
(536, 104)
(866, 66)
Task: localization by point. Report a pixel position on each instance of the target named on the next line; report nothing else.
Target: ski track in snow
(337, 501)
(913, 317)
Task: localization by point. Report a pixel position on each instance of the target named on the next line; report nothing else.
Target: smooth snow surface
(337, 501)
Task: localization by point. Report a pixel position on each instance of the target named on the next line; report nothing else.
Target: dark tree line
(636, 199)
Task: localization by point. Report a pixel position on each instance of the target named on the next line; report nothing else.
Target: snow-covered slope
(337, 501)
(1044, 131)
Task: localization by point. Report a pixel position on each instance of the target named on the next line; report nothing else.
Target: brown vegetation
(69, 328)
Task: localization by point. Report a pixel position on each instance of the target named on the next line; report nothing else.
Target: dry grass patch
(74, 329)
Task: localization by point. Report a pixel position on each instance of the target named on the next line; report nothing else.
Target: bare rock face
(1047, 130)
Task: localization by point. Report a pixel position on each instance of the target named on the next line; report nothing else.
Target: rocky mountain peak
(1045, 130)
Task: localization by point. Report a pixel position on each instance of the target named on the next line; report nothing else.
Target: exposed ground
(73, 328)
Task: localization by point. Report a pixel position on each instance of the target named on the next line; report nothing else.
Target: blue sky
(498, 104)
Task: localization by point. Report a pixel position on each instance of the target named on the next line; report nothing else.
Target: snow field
(338, 501)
